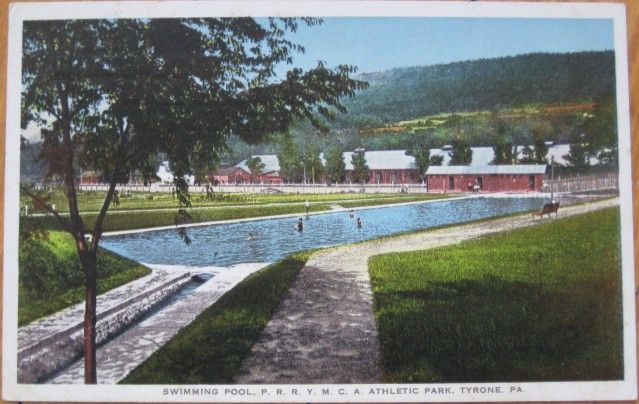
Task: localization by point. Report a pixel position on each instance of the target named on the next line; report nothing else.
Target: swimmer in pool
(300, 225)
(359, 223)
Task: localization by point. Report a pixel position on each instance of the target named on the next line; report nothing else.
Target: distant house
(487, 178)
(270, 173)
(225, 175)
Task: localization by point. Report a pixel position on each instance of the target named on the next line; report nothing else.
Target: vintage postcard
(344, 201)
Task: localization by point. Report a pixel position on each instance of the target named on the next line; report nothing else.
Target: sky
(376, 44)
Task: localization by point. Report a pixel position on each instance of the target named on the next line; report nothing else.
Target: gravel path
(325, 332)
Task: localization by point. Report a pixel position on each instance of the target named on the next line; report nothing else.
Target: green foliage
(461, 153)
(312, 162)
(596, 136)
(128, 220)
(535, 304)
(255, 167)
(436, 160)
(290, 160)
(50, 277)
(361, 172)
(503, 147)
(578, 157)
(421, 153)
(228, 329)
(486, 84)
(335, 164)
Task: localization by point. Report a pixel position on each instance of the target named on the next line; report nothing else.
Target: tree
(536, 154)
(461, 153)
(290, 160)
(436, 160)
(596, 136)
(360, 168)
(255, 167)
(578, 155)
(335, 165)
(503, 148)
(111, 95)
(312, 161)
(421, 153)
(601, 131)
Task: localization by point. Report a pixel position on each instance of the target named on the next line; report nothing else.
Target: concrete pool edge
(289, 215)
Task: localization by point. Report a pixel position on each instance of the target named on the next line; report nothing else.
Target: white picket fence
(595, 182)
(271, 188)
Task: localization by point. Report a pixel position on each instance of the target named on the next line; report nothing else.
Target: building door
(479, 183)
(451, 182)
(531, 182)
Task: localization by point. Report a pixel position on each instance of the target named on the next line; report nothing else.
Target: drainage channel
(179, 295)
(63, 374)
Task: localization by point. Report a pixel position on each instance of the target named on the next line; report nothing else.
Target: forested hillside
(484, 84)
(547, 93)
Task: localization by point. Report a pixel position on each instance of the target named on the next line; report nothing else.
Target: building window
(451, 182)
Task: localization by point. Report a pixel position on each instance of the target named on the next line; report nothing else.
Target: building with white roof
(396, 167)
(270, 173)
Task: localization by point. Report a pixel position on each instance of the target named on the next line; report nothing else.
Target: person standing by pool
(307, 205)
(300, 225)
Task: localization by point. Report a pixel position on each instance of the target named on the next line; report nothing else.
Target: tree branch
(65, 223)
(97, 228)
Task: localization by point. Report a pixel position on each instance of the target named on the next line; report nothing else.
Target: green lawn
(129, 220)
(536, 304)
(89, 201)
(211, 348)
(50, 277)
(134, 219)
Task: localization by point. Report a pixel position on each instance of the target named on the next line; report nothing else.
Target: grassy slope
(541, 303)
(92, 200)
(211, 348)
(50, 277)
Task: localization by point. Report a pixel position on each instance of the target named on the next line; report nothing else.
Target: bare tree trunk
(90, 267)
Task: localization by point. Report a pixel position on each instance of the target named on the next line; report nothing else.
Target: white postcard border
(609, 390)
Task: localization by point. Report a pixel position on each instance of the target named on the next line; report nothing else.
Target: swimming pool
(272, 239)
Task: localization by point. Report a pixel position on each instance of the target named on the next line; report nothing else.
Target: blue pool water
(228, 244)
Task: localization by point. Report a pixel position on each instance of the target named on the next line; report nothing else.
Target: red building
(490, 178)
(269, 175)
(228, 175)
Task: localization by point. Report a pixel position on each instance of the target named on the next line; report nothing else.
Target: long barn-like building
(493, 178)
(396, 167)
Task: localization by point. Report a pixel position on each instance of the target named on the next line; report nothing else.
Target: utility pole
(552, 178)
